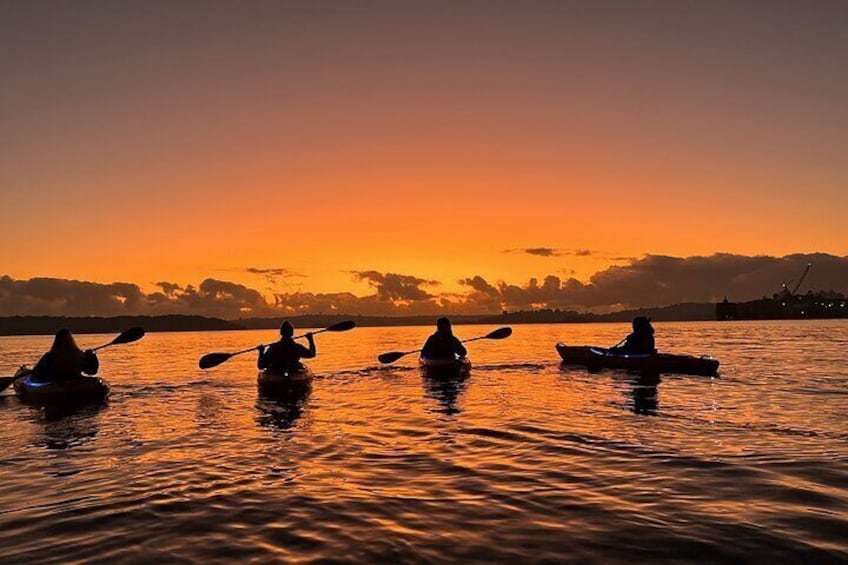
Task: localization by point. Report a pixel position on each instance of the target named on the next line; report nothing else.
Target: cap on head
(443, 324)
(287, 330)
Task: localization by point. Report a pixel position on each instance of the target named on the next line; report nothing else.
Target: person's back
(443, 344)
(640, 344)
(641, 341)
(286, 353)
(66, 360)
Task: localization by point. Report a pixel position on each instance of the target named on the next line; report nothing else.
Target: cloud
(542, 251)
(272, 274)
(392, 286)
(657, 280)
(43, 296)
(169, 288)
(552, 252)
(479, 284)
(653, 280)
(482, 297)
(223, 299)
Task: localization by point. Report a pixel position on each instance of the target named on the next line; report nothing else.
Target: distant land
(819, 305)
(46, 325)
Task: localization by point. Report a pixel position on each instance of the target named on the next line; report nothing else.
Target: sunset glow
(154, 142)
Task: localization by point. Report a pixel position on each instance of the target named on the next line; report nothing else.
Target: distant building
(725, 310)
(819, 305)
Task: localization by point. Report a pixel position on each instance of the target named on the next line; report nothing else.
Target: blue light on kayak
(617, 356)
(30, 382)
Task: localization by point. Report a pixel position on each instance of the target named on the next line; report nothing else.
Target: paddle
(128, 336)
(5, 382)
(214, 359)
(392, 356)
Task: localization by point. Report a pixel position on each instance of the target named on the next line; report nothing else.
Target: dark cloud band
(653, 280)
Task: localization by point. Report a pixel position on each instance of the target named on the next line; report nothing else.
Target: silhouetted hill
(686, 312)
(47, 325)
(693, 311)
(321, 321)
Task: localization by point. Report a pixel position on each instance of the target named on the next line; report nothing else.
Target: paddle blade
(390, 357)
(129, 336)
(341, 326)
(500, 333)
(213, 360)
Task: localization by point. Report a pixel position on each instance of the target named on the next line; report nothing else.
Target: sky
(325, 148)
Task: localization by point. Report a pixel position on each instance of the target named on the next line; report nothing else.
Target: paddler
(286, 353)
(641, 341)
(443, 344)
(66, 360)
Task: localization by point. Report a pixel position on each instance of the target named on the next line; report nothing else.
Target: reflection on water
(644, 392)
(446, 391)
(281, 409)
(66, 426)
(522, 461)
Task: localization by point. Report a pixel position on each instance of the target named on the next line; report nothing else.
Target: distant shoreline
(47, 325)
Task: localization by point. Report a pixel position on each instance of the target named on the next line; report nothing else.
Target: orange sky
(148, 143)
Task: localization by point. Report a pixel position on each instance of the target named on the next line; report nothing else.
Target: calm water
(523, 461)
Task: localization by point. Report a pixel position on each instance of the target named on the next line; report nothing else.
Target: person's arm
(652, 345)
(311, 352)
(90, 362)
(623, 345)
(427, 350)
(263, 361)
(458, 348)
(43, 365)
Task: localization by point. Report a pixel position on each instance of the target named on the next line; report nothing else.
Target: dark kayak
(275, 380)
(600, 358)
(445, 368)
(40, 390)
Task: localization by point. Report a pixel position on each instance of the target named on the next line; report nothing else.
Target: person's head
(287, 330)
(64, 341)
(642, 325)
(443, 325)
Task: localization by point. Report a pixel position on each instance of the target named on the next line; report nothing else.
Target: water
(523, 461)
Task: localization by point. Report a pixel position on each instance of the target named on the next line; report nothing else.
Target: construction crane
(790, 293)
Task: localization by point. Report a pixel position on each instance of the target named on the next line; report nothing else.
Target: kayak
(284, 380)
(39, 390)
(445, 368)
(598, 358)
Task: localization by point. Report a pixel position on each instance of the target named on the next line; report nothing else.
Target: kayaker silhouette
(443, 344)
(286, 353)
(66, 360)
(640, 342)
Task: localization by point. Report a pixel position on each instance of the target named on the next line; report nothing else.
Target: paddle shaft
(263, 345)
(460, 341)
